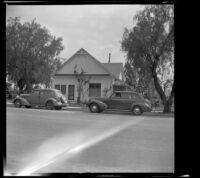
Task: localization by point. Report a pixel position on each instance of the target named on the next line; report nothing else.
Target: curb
(76, 108)
(65, 108)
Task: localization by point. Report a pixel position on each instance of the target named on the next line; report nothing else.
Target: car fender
(23, 101)
(101, 104)
(136, 104)
(52, 100)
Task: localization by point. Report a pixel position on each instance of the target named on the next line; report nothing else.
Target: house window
(57, 87)
(119, 88)
(95, 89)
(71, 92)
(62, 88)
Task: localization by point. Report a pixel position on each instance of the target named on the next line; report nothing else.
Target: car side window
(116, 95)
(126, 96)
(135, 96)
(46, 94)
(35, 93)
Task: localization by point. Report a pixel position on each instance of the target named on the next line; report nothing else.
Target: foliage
(148, 43)
(106, 90)
(82, 81)
(31, 53)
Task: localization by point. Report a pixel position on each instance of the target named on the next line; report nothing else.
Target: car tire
(18, 103)
(137, 110)
(100, 110)
(49, 105)
(58, 107)
(94, 108)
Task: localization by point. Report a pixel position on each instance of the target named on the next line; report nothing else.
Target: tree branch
(165, 42)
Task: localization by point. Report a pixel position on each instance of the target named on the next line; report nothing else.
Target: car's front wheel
(94, 108)
(137, 110)
(18, 103)
(50, 105)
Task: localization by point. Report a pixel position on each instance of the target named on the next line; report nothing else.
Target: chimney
(109, 58)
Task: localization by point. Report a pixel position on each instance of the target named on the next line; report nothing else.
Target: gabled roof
(84, 52)
(112, 69)
(116, 69)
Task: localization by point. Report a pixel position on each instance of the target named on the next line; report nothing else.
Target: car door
(136, 98)
(34, 98)
(43, 97)
(126, 101)
(115, 101)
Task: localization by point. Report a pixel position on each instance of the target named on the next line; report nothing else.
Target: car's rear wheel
(137, 110)
(18, 103)
(50, 105)
(94, 108)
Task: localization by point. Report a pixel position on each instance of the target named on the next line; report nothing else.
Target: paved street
(80, 141)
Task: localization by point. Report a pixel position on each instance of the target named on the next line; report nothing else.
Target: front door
(115, 101)
(71, 92)
(126, 101)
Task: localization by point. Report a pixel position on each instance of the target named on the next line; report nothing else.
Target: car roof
(126, 92)
(46, 89)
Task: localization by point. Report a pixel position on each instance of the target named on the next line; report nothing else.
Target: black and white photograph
(89, 89)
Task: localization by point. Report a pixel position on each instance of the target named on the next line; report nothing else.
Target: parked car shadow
(128, 113)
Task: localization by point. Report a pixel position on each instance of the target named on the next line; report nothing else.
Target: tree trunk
(166, 102)
(167, 107)
(79, 95)
(158, 86)
(78, 99)
(28, 87)
(20, 84)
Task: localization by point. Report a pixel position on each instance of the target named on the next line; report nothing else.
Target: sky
(96, 28)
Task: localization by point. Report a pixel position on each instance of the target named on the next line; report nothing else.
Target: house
(99, 79)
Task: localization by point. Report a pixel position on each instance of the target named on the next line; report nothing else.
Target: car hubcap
(137, 111)
(49, 106)
(94, 108)
(17, 104)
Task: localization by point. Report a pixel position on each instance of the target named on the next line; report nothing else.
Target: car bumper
(62, 104)
(147, 109)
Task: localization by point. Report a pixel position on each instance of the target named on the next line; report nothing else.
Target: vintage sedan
(49, 98)
(121, 100)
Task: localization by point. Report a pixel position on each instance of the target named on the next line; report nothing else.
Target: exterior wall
(106, 82)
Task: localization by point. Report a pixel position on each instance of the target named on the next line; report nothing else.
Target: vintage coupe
(121, 100)
(49, 98)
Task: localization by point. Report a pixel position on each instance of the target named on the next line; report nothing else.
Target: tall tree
(31, 53)
(149, 42)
